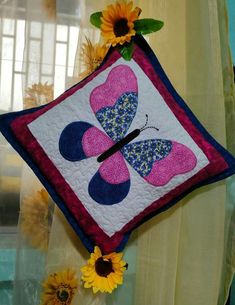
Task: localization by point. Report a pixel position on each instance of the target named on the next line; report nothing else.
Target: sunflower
(59, 288)
(103, 272)
(37, 95)
(91, 56)
(36, 216)
(117, 22)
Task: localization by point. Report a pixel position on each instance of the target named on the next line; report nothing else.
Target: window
(31, 52)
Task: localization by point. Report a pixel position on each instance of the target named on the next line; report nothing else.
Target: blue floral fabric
(142, 155)
(117, 119)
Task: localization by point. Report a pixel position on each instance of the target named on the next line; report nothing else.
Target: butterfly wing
(81, 140)
(115, 102)
(111, 183)
(158, 160)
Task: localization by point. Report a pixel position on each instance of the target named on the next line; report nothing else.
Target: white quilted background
(48, 127)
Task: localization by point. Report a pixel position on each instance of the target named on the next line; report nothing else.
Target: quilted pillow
(117, 148)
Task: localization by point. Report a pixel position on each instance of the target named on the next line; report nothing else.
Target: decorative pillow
(117, 148)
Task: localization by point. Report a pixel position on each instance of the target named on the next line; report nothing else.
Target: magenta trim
(86, 222)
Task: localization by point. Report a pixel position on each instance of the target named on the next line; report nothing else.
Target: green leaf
(127, 50)
(147, 25)
(95, 19)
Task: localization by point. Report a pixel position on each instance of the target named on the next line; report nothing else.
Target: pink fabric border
(86, 222)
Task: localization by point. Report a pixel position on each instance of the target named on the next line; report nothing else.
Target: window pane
(6, 84)
(61, 54)
(34, 62)
(59, 85)
(8, 26)
(62, 33)
(20, 42)
(35, 29)
(7, 48)
(18, 99)
(48, 49)
(73, 40)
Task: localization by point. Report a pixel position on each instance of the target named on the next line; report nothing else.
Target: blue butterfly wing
(158, 160)
(106, 193)
(81, 140)
(70, 142)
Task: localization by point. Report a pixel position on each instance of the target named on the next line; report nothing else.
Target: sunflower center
(121, 27)
(103, 267)
(62, 295)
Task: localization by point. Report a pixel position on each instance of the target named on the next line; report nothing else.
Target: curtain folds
(186, 254)
(229, 99)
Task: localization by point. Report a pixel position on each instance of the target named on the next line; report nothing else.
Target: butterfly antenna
(146, 123)
(147, 127)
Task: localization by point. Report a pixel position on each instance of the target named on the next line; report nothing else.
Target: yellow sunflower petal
(87, 285)
(108, 15)
(90, 277)
(107, 22)
(116, 278)
(95, 289)
(109, 286)
(102, 284)
(129, 6)
(97, 251)
(112, 283)
(134, 14)
(116, 257)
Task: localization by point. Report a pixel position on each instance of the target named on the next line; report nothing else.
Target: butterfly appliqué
(114, 104)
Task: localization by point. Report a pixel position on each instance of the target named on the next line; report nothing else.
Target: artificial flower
(91, 56)
(60, 288)
(36, 217)
(103, 272)
(117, 22)
(37, 95)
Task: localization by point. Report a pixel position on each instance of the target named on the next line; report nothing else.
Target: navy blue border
(6, 119)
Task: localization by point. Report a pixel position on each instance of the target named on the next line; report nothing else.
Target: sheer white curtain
(179, 257)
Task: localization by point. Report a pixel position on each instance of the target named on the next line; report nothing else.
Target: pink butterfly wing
(95, 142)
(180, 160)
(121, 79)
